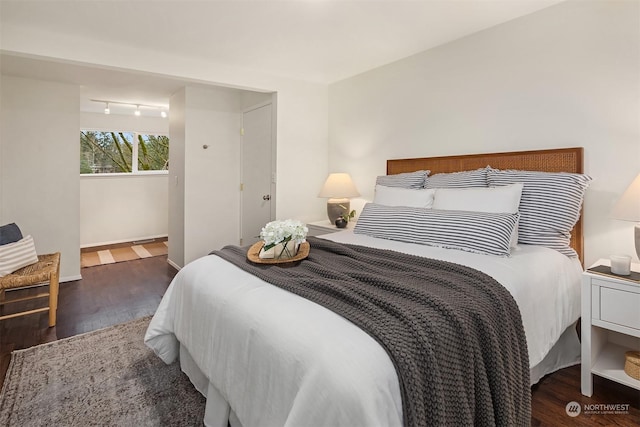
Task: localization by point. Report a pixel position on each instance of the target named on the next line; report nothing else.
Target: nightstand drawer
(620, 307)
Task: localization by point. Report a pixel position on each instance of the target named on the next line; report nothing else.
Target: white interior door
(257, 174)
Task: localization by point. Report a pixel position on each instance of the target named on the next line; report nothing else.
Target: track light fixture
(138, 110)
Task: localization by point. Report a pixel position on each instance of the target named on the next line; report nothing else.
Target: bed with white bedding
(264, 356)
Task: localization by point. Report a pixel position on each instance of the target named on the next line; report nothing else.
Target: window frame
(134, 155)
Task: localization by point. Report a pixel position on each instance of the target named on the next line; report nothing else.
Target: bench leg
(54, 286)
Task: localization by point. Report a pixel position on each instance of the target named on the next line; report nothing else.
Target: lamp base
(336, 208)
(637, 236)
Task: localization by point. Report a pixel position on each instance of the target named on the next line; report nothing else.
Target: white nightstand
(610, 326)
(325, 227)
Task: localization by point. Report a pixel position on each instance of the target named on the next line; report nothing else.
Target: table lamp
(628, 208)
(339, 188)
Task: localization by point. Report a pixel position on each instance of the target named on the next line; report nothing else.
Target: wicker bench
(45, 271)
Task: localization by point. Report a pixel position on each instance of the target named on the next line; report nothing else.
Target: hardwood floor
(106, 295)
(116, 293)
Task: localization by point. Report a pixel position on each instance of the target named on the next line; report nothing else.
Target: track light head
(138, 112)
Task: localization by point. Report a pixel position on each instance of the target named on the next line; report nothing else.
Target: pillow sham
(505, 199)
(464, 179)
(14, 256)
(10, 233)
(403, 180)
(550, 205)
(478, 232)
(490, 199)
(395, 196)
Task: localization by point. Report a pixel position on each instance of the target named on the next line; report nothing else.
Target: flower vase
(282, 250)
(286, 249)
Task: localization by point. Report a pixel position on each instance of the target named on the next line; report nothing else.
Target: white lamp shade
(339, 186)
(628, 207)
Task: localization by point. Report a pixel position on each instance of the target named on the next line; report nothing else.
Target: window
(122, 152)
(153, 152)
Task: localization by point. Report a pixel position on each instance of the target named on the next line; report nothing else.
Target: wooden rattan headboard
(557, 160)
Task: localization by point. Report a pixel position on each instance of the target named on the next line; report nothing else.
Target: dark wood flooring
(106, 295)
(116, 293)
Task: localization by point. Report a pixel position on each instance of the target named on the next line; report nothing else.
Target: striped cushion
(464, 179)
(549, 207)
(14, 256)
(505, 198)
(479, 232)
(403, 180)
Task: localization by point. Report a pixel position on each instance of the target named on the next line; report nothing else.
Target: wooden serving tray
(254, 251)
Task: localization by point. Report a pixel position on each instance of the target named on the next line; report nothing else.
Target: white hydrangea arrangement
(280, 233)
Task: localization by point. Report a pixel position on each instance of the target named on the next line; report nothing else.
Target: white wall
(212, 175)
(123, 208)
(125, 123)
(566, 76)
(204, 183)
(177, 136)
(250, 99)
(116, 209)
(39, 172)
(301, 116)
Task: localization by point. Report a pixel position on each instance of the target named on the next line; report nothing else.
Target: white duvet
(281, 360)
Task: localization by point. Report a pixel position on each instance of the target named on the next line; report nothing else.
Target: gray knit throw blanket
(454, 334)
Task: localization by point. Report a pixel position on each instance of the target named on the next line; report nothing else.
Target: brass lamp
(628, 208)
(339, 188)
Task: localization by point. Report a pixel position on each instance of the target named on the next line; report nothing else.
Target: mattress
(278, 359)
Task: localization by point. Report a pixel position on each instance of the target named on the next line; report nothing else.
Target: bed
(263, 355)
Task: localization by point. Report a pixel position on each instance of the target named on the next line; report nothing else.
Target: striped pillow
(549, 207)
(505, 199)
(14, 256)
(479, 232)
(403, 180)
(464, 179)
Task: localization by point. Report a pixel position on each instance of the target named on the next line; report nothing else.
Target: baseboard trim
(174, 265)
(115, 242)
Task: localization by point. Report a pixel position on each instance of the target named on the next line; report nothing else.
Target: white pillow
(396, 196)
(503, 199)
(14, 256)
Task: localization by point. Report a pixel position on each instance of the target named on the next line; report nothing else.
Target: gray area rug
(102, 378)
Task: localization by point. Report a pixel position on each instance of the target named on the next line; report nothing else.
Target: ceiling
(314, 40)
(98, 83)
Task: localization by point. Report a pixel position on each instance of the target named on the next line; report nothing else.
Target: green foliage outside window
(111, 152)
(153, 152)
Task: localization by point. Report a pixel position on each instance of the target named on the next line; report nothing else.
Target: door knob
(266, 197)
